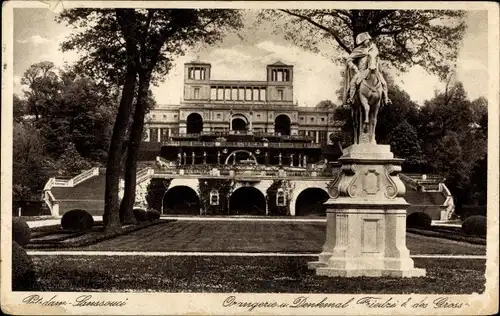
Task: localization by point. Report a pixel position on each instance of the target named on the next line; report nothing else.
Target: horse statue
(367, 91)
(367, 102)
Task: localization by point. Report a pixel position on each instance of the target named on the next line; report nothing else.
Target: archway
(310, 202)
(282, 124)
(247, 201)
(194, 123)
(239, 123)
(181, 200)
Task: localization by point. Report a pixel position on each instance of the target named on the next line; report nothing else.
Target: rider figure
(357, 56)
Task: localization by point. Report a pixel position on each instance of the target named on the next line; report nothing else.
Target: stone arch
(282, 124)
(194, 123)
(247, 200)
(232, 154)
(310, 202)
(181, 199)
(239, 122)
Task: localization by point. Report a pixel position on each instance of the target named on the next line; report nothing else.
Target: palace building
(239, 147)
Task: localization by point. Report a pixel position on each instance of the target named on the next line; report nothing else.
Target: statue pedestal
(366, 218)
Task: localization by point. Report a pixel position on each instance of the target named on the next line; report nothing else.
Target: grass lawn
(255, 236)
(242, 274)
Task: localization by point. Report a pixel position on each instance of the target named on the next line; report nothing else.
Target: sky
(37, 37)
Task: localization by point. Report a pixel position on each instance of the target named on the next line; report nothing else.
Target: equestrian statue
(365, 88)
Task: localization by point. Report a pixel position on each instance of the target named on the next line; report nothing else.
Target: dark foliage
(140, 214)
(153, 215)
(23, 273)
(418, 219)
(21, 232)
(475, 225)
(80, 220)
(155, 192)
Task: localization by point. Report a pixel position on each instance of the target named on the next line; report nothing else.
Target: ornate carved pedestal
(366, 218)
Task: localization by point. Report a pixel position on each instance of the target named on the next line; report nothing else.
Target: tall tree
(144, 42)
(405, 144)
(70, 109)
(29, 159)
(454, 134)
(428, 38)
(43, 84)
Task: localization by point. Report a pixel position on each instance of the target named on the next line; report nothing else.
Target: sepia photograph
(250, 158)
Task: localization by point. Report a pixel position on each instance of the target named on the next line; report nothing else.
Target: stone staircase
(85, 191)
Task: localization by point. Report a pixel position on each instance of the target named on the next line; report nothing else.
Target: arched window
(280, 198)
(214, 197)
(194, 123)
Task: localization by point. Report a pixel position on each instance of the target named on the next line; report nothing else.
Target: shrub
(419, 219)
(21, 232)
(77, 220)
(140, 214)
(23, 272)
(475, 225)
(153, 215)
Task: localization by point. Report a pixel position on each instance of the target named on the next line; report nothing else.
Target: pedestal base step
(324, 270)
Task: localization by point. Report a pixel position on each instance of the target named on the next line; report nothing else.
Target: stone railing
(85, 176)
(54, 182)
(256, 134)
(254, 171)
(144, 174)
(196, 143)
(51, 202)
(448, 202)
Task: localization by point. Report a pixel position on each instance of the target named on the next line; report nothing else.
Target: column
(300, 160)
(204, 157)
(279, 157)
(305, 161)
(218, 158)
(159, 135)
(291, 160)
(192, 157)
(185, 158)
(316, 133)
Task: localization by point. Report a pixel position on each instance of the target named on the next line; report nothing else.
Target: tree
(454, 134)
(43, 86)
(18, 108)
(128, 43)
(70, 109)
(29, 160)
(326, 104)
(391, 115)
(405, 144)
(428, 38)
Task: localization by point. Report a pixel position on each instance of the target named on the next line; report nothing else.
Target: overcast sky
(37, 38)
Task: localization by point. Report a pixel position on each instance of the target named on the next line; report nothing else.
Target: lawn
(255, 236)
(242, 274)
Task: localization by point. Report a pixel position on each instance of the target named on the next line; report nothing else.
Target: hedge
(475, 225)
(21, 232)
(23, 272)
(418, 219)
(80, 220)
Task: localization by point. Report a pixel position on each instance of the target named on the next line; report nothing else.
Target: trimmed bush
(475, 225)
(140, 214)
(21, 232)
(153, 215)
(77, 220)
(23, 272)
(418, 220)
